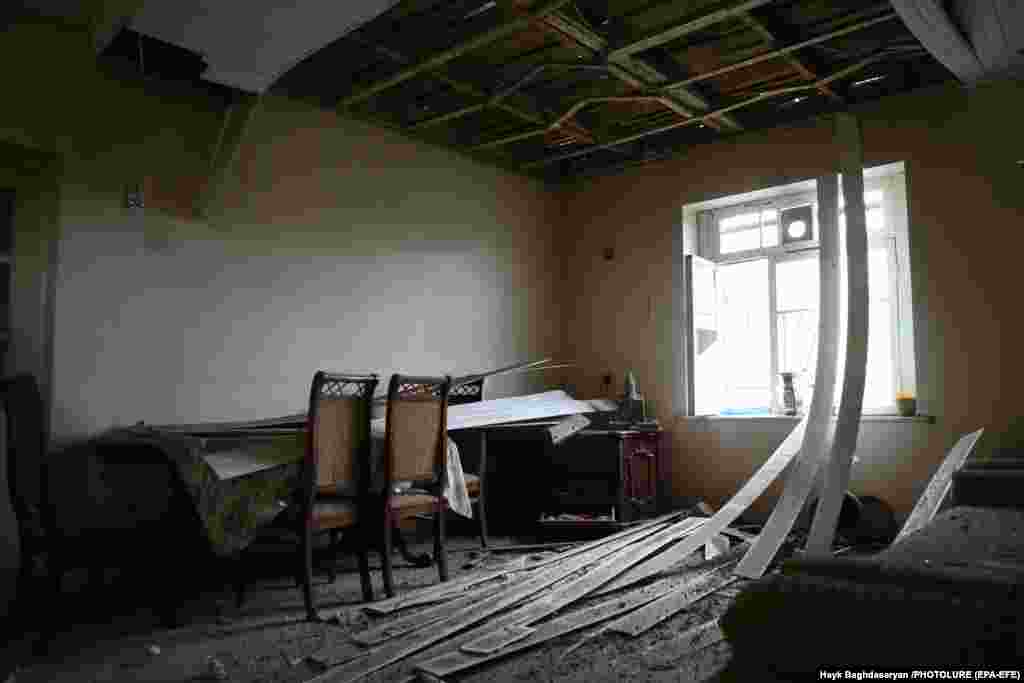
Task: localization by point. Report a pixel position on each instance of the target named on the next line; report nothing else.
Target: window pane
(878, 274)
(875, 219)
(796, 284)
(741, 220)
(873, 197)
(745, 362)
(878, 386)
(744, 240)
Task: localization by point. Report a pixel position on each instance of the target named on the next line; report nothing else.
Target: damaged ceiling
(561, 88)
(557, 89)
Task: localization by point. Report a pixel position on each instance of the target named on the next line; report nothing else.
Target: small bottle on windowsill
(906, 404)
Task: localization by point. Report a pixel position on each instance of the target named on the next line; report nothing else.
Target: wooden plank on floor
(455, 661)
(498, 639)
(423, 618)
(715, 546)
(938, 487)
(736, 506)
(394, 651)
(667, 606)
(817, 445)
(448, 590)
(836, 476)
(451, 589)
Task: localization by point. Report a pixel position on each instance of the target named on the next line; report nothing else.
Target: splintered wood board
(574, 590)
(817, 445)
(423, 618)
(653, 613)
(448, 590)
(392, 651)
(715, 547)
(736, 506)
(938, 487)
(836, 477)
(452, 589)
(456, 660)
(498, 639)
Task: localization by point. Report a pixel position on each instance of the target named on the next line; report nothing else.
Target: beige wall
(330, 245)
(965, 210)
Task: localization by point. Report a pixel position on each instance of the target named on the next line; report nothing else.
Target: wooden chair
(470, 441)
(415, 450)
(336, 470)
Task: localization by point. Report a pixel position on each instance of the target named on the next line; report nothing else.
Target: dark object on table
(416, 450)
(337, 454)
(632, 408)
(473, 442)
(948, 595)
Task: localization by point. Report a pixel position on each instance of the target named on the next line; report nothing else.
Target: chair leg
(481, 505)
(385, 553)
(307, 573)
(332, 553)
(363, 534)
(439, 552)
(481, 513)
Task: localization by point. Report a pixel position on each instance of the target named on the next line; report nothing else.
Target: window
(755, 300)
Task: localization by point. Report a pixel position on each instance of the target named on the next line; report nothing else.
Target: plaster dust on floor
(108, 637)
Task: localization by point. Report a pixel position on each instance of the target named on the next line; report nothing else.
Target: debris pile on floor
(626, 583)
(629, 582)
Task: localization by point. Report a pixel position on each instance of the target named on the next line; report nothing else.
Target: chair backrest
(416, 447)
(339, 429)
(470, 392)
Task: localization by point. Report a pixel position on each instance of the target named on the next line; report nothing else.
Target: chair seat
(412, 504)
(472, 484)
(333, 513)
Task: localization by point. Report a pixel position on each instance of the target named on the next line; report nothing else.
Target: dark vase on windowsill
(788, 394)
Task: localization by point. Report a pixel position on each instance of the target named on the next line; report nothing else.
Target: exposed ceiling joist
(484, 39)
(783, 51)
(634, 72)
(685, 28)
(842, 73)
(790, 57)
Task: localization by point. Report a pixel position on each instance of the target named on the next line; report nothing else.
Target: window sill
(870, 417)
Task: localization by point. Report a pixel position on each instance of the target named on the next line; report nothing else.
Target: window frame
(894, 238)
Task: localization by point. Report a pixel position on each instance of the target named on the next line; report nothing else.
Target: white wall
(332, 245)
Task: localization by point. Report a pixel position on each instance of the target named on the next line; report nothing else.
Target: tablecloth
(231, 510)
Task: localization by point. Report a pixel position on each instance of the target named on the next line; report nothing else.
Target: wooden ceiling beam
(667, 35)
(842, 73)
(495, 34)
(634, 72)
(564, 120)
(774, 54)
(532, 115)
(770, 38)
(495, 100)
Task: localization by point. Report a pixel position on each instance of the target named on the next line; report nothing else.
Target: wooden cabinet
(606, 472)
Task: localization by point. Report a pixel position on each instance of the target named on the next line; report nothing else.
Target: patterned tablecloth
(231, 509)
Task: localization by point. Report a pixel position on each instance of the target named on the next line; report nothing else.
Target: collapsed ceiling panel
(249, 45)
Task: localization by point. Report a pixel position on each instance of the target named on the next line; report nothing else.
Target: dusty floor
(106, 637)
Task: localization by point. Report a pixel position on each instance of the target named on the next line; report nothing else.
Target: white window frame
(894, 238)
